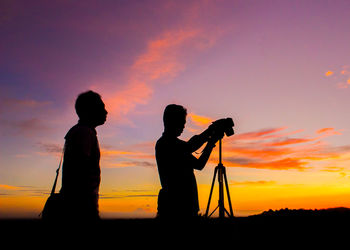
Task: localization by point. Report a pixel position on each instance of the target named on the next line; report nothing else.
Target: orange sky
(280, 69)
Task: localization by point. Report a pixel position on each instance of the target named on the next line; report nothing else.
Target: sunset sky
(280, 69)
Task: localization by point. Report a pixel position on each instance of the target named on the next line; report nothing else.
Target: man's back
(81, 171)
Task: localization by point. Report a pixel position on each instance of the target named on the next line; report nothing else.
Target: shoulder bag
(54, 205)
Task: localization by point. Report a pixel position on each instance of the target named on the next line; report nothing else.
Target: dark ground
(283, 228)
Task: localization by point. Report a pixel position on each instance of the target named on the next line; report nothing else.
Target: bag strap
(57, 173)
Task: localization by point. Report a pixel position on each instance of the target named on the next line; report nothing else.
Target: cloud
(333, 169)
(200, 120)
(10, 105)
(165, 56)
(282, 164)
(20, 190)
(9, 187)
(124, 58)
(159, 64)
(125, 100)
(111, 158)
(289, 141)
(50, 148)
(27, 127)
(345, 70)
(119, 159)
(342, 76)
(110, 153)
(274, 149)
(329, 73)
(161, 58)
(342, 85)
(23, 117)
(328, 131)
(252, 183)
(257, 151)
(260, 134)
(122, 164)
(127, 194)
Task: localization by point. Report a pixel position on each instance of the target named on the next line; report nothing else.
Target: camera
(221, 126)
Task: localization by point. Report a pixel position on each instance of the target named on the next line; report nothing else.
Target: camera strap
(57, 172)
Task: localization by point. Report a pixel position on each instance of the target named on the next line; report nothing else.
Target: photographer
(178, 197)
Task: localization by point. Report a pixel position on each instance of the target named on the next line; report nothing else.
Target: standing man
(81, 172)
(178, 197)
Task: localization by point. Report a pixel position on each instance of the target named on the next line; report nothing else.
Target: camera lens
(229, 127)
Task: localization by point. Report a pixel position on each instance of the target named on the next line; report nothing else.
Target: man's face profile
(91, 109)
(176, 127)
(100, 113)
(180, 126)
(174, 119)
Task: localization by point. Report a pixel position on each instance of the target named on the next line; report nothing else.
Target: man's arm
(197, 141)
(203, 159)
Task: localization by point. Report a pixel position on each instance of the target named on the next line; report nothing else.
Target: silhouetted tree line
(339, 211)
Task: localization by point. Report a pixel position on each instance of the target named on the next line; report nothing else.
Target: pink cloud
(160, 63)
(125, 100)
(289, 141)
(328, 131)
(258, 149)
(266, 133)
(342, 77)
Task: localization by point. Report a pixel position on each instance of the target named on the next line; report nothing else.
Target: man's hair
(86, 102)
(173, 113)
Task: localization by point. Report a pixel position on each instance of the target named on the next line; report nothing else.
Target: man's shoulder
(160, 142)
(79, 131)
(166, 143)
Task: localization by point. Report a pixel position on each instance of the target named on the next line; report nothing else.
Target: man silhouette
(81, 169)
(178, 197)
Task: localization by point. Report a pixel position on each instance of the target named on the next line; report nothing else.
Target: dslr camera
(221, 126)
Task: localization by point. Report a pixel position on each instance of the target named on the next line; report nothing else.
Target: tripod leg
(221, 201)
(228, 194)
(213, 211)
(228, 214)
(211, 192)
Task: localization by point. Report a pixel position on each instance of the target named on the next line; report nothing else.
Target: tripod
(220, 171)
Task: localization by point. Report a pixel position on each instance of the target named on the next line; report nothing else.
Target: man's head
(174, 119)
(90, 108)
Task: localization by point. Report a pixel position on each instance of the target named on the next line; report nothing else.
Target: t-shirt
(175, 167)
(81, 174)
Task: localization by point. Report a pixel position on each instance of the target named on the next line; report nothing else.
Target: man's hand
(215, 137)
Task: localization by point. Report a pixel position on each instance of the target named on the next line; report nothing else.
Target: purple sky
(264, 63)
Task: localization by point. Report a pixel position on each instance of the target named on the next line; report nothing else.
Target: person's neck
(87, 123)
(170, 133)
